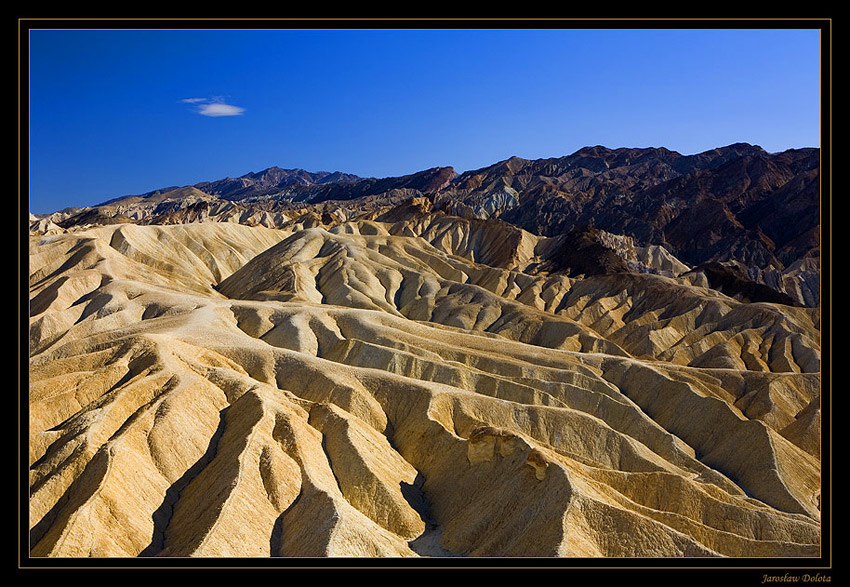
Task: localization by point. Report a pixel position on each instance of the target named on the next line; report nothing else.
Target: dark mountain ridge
(732, 204)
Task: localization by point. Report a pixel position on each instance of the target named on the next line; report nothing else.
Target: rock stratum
(408, 381)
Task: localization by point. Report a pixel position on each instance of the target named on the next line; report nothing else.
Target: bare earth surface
(417, 387)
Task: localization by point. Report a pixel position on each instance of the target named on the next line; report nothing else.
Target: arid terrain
(611, 354)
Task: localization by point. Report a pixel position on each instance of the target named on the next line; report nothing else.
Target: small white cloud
(220, 109)
(214, 107)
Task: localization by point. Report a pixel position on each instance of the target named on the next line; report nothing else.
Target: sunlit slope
(406, 388)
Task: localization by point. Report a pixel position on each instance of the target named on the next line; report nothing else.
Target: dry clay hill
(405, 382)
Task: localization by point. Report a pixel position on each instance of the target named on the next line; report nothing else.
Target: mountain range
(755, 212)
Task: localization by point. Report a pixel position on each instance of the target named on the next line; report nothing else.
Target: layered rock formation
(396, 381)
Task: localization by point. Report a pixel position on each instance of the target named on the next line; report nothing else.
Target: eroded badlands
(418, 387)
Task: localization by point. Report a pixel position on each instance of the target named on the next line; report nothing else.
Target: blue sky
(124, 112)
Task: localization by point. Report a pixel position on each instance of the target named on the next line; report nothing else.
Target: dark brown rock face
(736, 203)
(582, 252)
(735, 283)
